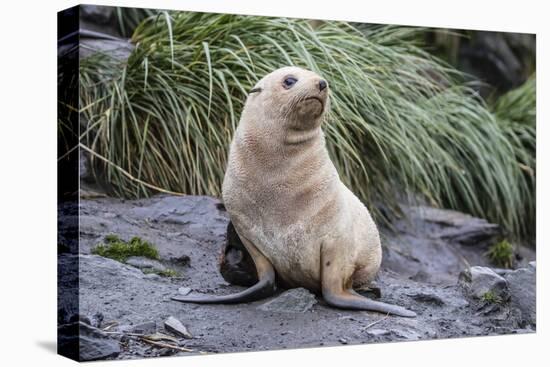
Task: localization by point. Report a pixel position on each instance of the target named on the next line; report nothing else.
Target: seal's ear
(254, 90)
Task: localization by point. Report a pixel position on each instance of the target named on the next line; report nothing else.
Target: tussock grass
(400, 120)
(501, 254)
(515, 112)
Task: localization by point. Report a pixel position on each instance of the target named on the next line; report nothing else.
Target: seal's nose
(322, 84)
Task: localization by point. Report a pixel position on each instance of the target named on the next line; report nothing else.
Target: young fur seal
(295, 217)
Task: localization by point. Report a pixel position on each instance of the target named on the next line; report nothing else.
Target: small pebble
(184, 291)
(175, 326)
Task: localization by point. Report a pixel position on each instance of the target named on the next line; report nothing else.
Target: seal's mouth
(318, 99)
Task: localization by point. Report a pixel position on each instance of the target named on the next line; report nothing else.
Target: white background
(28, 181)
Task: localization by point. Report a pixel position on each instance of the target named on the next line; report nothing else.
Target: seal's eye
(289, 82)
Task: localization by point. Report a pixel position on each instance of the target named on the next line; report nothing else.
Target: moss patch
(501, 254)
(117, 249)
(490, 297)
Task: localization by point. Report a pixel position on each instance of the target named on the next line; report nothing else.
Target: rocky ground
(433, 264)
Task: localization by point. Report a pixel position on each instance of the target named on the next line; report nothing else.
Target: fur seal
(293, 214)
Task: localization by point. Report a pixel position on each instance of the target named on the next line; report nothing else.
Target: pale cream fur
(284, 195)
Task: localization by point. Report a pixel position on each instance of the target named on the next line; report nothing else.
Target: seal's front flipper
(352, 301)
(264, 288)
(335, 294)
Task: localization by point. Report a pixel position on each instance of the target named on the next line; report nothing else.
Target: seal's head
(296, 98)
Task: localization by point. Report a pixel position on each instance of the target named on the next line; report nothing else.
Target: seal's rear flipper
(265, 286)
(235, 263)
(263, 289)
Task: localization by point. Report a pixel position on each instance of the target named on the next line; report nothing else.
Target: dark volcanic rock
(118, 49)
(419, 271)
(92, 345)
(480, 281)
(378, 332)
(433, 245)
(97, 13)
(458, 227)
(295, 300)
(99, 18)
(141, 262)
(98, 33)
(522, 283)
(428, 298)
(145, 328)
(183, 260)
(106, 269)
(500, 60)
(193, 215)
(67, 288)
(95, 344)
(68, 341)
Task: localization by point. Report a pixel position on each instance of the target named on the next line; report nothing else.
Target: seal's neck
(268, 142)
(272, 141)
(295, 137)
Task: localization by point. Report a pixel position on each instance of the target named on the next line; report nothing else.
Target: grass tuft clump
(117, 249)
(401, 122)
(491, 297)
(501, 254)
